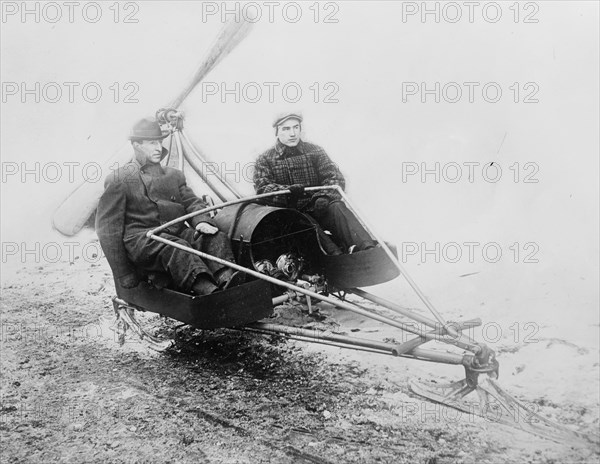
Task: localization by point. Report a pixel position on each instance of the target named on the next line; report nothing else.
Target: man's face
(288, 132)
(148, 151)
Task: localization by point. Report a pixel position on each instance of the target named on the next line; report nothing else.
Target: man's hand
(206, 228)
(129, 281)
(296, 190)
(321, 205)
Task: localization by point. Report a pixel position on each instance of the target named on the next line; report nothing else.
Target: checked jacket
(306, 164)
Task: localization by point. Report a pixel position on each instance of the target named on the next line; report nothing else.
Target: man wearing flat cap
(142, 195)
(295, 164)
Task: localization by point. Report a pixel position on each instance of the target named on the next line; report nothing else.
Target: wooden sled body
(233, 307)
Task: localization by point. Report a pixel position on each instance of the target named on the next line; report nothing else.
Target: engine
(279, 242)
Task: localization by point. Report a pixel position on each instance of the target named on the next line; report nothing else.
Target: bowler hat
(283, 117)
(147, 129)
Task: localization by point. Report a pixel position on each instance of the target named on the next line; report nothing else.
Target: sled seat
(233, 307)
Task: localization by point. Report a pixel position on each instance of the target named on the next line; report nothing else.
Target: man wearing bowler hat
(142, 195)
(295, 164)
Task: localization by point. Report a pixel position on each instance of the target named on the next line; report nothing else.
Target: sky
(458, 124)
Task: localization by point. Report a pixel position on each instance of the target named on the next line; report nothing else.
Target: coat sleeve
(329, 174)
(264, 182)
(110, 227)
(192, 203)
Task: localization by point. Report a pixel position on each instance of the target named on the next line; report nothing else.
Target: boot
(366, 245)
(227, 278)
(204, 285)
(223, 275)
(237, 278)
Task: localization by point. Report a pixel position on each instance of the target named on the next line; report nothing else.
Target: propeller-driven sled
(280, 252)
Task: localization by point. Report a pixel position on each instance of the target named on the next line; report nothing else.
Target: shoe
(160, 280)
(203, 286)
(222, 276)
(237, 278)
(366, 245)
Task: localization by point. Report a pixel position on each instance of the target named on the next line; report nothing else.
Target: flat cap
(283, 117)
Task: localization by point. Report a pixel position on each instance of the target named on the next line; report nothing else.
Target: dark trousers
(151, 255)
(342, 224)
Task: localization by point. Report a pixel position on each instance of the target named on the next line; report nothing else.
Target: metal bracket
(125, 319)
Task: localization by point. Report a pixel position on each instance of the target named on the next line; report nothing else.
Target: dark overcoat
(135, 201)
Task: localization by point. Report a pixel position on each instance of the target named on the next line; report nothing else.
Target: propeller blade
(80, 204)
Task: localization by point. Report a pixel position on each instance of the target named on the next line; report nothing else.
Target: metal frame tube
(394, 307)
(287, 285)
(399, 309)
(318, 335)
(472, 346)
(197, 169)
(196, 152)
(338, 303)
(439, 334)
(390, 255)
(349, 342)
(180, 154)
(338, 189)
(215, 207)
